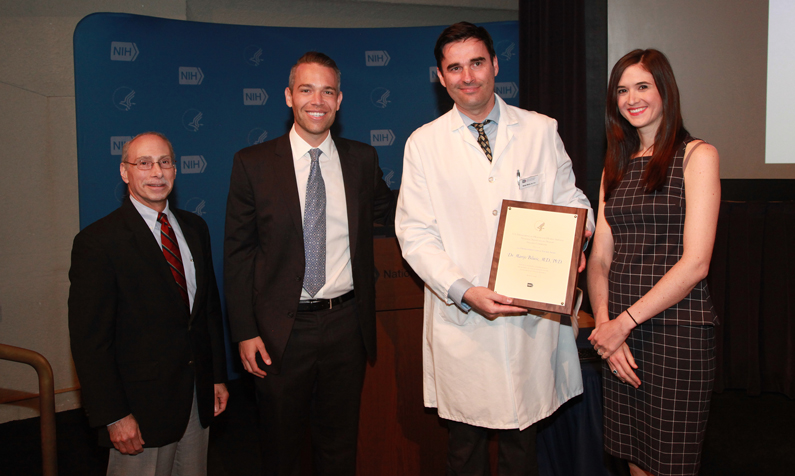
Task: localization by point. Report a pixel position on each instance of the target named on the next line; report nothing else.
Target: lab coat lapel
(457, 124)
(504, 129)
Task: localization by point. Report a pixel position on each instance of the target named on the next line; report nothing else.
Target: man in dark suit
(299, 274)
(145, 323)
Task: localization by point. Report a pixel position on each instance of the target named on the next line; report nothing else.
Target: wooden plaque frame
(580, 217)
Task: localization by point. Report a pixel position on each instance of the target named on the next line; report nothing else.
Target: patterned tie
(315, 228)
(483, 140)
(168, 239)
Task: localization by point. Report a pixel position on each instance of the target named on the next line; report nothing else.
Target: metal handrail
(49, 449)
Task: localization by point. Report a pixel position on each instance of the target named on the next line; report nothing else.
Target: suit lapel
(283, 170)
(351, 178)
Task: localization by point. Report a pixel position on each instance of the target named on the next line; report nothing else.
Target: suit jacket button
(290, 314)
(190, 362)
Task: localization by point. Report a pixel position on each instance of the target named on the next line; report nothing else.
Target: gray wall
(38, 181)
(718, 50)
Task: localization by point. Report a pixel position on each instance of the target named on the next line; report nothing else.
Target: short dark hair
(317, 58)
(459, 32)
(126, 147)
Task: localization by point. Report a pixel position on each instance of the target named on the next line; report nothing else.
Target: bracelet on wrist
(630, 316)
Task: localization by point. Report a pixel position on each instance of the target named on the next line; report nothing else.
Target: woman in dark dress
(658, 211)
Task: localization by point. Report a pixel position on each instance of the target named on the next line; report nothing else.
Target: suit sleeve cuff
(457, 291)
(120, 419)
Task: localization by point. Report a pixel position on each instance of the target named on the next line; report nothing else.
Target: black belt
(323, 304)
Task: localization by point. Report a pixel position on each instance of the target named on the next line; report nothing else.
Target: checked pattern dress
(659, 426)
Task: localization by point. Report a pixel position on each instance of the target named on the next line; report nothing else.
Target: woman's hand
(622, 364)
(608, 336)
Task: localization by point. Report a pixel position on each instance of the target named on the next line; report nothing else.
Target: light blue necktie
(315, 228)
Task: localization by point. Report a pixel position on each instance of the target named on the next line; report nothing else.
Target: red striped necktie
(168, 239)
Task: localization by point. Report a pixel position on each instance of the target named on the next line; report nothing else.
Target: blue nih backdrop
(214, 89)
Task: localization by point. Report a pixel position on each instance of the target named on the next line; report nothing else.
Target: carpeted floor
(746, 436)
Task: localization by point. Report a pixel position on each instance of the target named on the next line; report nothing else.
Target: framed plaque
(537, 254)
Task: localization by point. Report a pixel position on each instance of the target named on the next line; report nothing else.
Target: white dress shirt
(339, 274)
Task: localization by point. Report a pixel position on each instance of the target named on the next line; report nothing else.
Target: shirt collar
(493, 116)
(301, 147)
(149, 215)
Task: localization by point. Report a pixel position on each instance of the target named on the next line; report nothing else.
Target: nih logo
(123, 98)
(376, 58)
(190, 75)
(123, 51)
(254, 97)
(434, 74)
(192, 164)
(253, 55)
(380, 97)
(192, 120)
(507, 49)
(381, 137)
(506, 90)
(389, 177)
(116, 144)
(257, 136)
(196, 205)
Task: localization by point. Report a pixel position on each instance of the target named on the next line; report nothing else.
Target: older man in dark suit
(299, 274)
(145, 323)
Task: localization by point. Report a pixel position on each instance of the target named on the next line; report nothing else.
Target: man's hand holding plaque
(489, 304)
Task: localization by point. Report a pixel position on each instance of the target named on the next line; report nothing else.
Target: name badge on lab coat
(525, 182)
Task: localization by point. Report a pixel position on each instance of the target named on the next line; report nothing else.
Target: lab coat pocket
(453, 315)
(530, 186)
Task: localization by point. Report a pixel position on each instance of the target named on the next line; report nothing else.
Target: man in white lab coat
(487, 364)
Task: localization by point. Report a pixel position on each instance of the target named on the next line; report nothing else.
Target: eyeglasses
(148, 164)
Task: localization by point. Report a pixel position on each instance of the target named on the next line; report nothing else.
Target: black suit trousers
(319, 386)
(468, 455)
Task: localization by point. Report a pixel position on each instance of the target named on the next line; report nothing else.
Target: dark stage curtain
(552, 72)
(753, 288)
(563, 52)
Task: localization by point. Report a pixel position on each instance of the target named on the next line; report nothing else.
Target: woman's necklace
(643, 154)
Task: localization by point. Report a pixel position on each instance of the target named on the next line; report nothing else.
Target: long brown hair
(622, 138)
